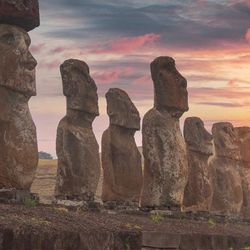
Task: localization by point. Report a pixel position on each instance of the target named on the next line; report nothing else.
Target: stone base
(119, 205)
(166, 208)
(16, 196)
(76, 204)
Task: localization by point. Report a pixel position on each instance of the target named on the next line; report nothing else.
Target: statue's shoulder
(152, 117)
(63, 123)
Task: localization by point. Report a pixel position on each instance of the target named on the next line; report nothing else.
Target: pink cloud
(210, 93)
(58, 50)
(143, 80)
(108, 77)
(37, 48)
(129, 44)
(247, 35)
(49, 65)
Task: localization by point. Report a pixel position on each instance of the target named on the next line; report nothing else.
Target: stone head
(79, 88)
(121, 110)
(17, 65)
(170, 87)
(226, 142)
(244, 138)
(197, 137)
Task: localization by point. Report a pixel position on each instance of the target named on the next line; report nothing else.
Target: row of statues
(197, 172)
(200, 172)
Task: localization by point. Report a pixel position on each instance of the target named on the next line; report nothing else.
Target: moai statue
(18, 141)
(226, 166)
(198, 192)
(164, 150)
(121, 159)
(244, 138)
(76, 146)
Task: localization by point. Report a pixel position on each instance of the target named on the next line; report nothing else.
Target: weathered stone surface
(166, 166)
(14, 49)
(18, 142)
(199, 190)
(22, 13)
(121, 111)
(76, 146)
(244, 138)
(121, 159)
(226, 166)
(16, 196)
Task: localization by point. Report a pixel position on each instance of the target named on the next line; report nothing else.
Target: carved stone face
(79, 88)
(121, 110)
(170, 86)
(17, 65)
(225, 140)
(196, 136)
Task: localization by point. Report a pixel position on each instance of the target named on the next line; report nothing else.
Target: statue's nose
(30, 62)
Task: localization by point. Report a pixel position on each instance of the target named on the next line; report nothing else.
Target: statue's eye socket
(7, 38)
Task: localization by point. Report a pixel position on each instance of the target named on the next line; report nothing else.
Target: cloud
(49, 65)
(247, 35)
(37, 48)
(227, 93)
(109, 77)
(223, 104)
(58, 50)
(180, 23)
(127, 44)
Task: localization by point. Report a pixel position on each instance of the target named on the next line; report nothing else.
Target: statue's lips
(29, 75)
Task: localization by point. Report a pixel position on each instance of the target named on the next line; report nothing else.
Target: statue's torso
(166, 166)
(19, 153)
(122, 165)
(78, 159)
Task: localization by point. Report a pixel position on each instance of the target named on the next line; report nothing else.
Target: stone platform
(15, 196)
(57, 227)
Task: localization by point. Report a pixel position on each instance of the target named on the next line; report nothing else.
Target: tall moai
(199, 189)
(76, 146)
(226, 166)
(164, 150)
(243, 134)
(121, 159)
(18, 140)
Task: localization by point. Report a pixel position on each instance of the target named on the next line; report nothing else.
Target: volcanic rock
(244, 137)
(18, 142)
(198, 192)
(76, 146)
(22, 13)
(166, 165)
(121, 159)
(226, 166)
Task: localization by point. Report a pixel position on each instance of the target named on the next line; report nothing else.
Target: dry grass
(44, 183)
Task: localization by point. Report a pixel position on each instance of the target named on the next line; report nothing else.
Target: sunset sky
(210, 41)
